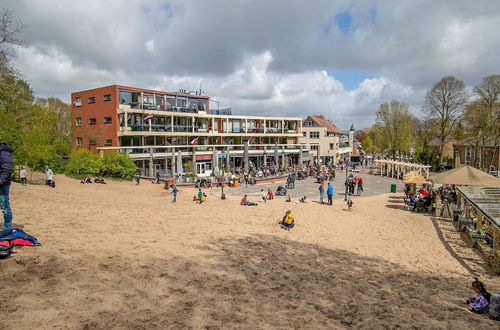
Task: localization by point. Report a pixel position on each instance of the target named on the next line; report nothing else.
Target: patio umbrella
(276, 155)
(245, 157)
(467, 176)
(215, 160)
(179, 163)
(415, 179)
(410, 175)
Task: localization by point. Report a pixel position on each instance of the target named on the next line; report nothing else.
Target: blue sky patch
(350, 78)
(341, 20)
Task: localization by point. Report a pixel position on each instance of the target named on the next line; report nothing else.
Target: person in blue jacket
(329, 192)
(5, 178)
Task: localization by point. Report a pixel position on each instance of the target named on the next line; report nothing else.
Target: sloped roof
(330, 127)
(469, 142)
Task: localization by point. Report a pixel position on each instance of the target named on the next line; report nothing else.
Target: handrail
(203, 146)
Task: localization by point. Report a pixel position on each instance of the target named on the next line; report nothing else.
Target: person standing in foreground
(321, 193)
(23, 175)
(329, 192)
(49, 175)
(174, 193)
(5, 178)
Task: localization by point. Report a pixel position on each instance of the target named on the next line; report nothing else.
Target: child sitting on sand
(287, 222)
(480, 302)
(288, 199)
(270, 194)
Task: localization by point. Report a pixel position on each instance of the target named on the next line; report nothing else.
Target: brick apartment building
(158, 129)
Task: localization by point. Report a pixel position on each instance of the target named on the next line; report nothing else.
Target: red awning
(203, 157)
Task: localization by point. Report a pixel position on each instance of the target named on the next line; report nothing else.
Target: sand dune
(121, 256)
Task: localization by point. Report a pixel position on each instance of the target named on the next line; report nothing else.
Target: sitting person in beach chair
(287, 222)
(281, 191)
(246, 202)
(412, 201)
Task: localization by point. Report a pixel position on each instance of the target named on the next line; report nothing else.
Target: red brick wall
(100, 132)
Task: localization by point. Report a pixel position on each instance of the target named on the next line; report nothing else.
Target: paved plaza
(372, 185)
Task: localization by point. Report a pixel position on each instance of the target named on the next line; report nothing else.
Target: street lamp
(347, 163)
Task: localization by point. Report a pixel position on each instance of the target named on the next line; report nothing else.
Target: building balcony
(156, 107)
(238, 150)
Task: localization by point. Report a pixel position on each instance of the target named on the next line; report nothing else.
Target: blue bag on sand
(10, 234)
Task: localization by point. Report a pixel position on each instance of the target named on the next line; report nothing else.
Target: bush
(83, 162)
(118, 166)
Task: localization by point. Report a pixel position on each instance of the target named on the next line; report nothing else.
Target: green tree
(395, 122)
(118, 166)
(83, 162)
(367, 144)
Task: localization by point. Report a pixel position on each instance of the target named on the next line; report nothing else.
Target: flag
(195, 141)
(148, 117)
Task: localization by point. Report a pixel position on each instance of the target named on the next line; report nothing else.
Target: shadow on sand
(259, 281)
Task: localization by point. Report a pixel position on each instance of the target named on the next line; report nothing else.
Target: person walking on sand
(174, 193)
(137, 177)
(5, 179)
(321, 193)
(49, 175)
(329, 192)
(360, 186)
(263, 193)
(200, 196)
(23, 175)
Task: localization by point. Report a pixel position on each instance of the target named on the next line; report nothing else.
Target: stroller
(281, 191)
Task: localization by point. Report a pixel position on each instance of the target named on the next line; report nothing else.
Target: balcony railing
(207, 148)
(183, 129)
(273, 130)
(225, 112)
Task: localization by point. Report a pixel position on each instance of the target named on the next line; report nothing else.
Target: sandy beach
(123, 256)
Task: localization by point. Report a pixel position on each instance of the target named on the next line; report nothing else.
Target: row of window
(92, 142)
(315, 146)
(91, 99)
(92, 121)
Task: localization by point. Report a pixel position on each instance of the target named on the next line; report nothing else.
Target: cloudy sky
(339, 58)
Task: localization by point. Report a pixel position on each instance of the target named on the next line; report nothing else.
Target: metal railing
(225, 111)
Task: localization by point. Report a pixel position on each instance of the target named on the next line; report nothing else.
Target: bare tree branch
(444, 104)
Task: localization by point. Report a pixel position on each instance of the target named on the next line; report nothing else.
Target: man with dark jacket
(5, 178)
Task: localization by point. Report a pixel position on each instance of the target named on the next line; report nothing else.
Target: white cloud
(260, 56)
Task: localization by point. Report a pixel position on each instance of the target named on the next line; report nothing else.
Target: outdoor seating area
(478, 216)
